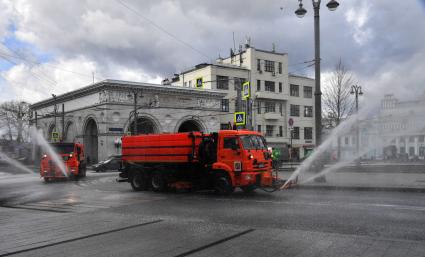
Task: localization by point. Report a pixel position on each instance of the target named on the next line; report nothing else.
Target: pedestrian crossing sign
(246, 92)
(240, 118)
(55, 135)
(199, 83)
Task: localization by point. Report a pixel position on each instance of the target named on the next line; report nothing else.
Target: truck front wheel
(138, 181)
(223, 185)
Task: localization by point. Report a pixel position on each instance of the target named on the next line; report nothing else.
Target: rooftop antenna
(247, 42)
(234, 44)
(93, 76)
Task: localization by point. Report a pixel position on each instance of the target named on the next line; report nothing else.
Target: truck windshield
(253, 142)
(64, 149)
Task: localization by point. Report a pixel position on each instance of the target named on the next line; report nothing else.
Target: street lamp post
(357, 90)
(135, 95)
(300, 12)
(55, 110)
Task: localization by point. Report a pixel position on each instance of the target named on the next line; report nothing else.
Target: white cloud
(358, 17)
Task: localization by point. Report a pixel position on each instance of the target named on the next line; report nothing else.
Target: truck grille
(258, 180)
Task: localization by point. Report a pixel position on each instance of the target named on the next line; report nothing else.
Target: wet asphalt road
(97, 216)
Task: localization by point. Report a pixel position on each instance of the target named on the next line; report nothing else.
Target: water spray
(49, 149)
(15, 163)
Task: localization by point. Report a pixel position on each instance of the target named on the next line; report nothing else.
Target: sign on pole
(246, 90)
(55, 135)
(290, 122)
(199, 83)
(240, 118)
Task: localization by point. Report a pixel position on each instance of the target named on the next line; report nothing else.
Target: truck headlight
(248, 177)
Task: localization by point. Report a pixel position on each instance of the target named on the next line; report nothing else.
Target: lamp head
(332, 5)
(300, 12)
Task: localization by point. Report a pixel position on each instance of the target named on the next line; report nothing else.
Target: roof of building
(126, 85)
(220, 65)
(299, 76)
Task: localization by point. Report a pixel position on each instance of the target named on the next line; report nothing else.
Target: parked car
(112, 163)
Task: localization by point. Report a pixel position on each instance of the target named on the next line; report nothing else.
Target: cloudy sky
(55, 46)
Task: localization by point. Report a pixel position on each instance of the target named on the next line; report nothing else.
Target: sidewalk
(390, 181)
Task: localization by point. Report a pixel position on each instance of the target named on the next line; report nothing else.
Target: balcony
(272, 116)
(270, 95)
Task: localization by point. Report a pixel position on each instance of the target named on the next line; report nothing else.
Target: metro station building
(98, 115)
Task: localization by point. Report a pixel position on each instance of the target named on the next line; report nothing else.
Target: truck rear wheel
(158, 182)
(138, 181)
(223, 185)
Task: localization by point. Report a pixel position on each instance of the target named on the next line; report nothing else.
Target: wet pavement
(97, 216)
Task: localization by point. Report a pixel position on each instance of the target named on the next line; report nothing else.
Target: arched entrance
(69, 133)
(190, 125)
(50, 133)
(144, 126)
(90, 141)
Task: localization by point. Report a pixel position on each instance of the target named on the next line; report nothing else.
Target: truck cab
(245, 157)
(73, 159)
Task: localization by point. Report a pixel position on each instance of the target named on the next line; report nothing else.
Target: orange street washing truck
(221, 161)
(72, 157)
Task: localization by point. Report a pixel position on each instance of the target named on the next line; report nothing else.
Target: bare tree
(337, 100)
(14, 118)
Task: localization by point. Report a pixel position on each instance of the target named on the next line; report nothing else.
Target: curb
(362, 188)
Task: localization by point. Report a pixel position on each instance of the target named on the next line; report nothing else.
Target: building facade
(276, 95)
(395, 132)
(99, 114)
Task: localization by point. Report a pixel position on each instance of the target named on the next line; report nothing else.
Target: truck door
(230, 152)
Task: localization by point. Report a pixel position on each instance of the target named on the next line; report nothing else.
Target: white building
(396, 131)
(99, 114)
(276, 95)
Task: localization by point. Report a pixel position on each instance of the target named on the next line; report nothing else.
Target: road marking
(215, 243)
(378, 205)
(80, 238)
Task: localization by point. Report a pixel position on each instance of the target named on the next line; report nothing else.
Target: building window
(258, 65)
(308, 133)
(225, 105)
(280, 68)
(296, 133)
(269, 66)
(308, 92)
(411, 151)
(190, 83)
(308, 111)
(259, 107)
(269, 130)
(185, 84)
(259, 128)
(222, 82)
(411, 139)
(238, 82)
(295, 110)
(294, 90)
(280, 131)
(243, 107)
(280, 87)
(224, 126)
(280, 108)
(258, 85)
(269, 86)
(270, 107)
(421, 139)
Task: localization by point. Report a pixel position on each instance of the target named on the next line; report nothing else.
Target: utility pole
(238, 84)
(63, 122)
(357, 90)
(135, 112)
(55, 111)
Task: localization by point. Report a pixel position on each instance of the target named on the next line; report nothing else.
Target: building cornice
(127, 86)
